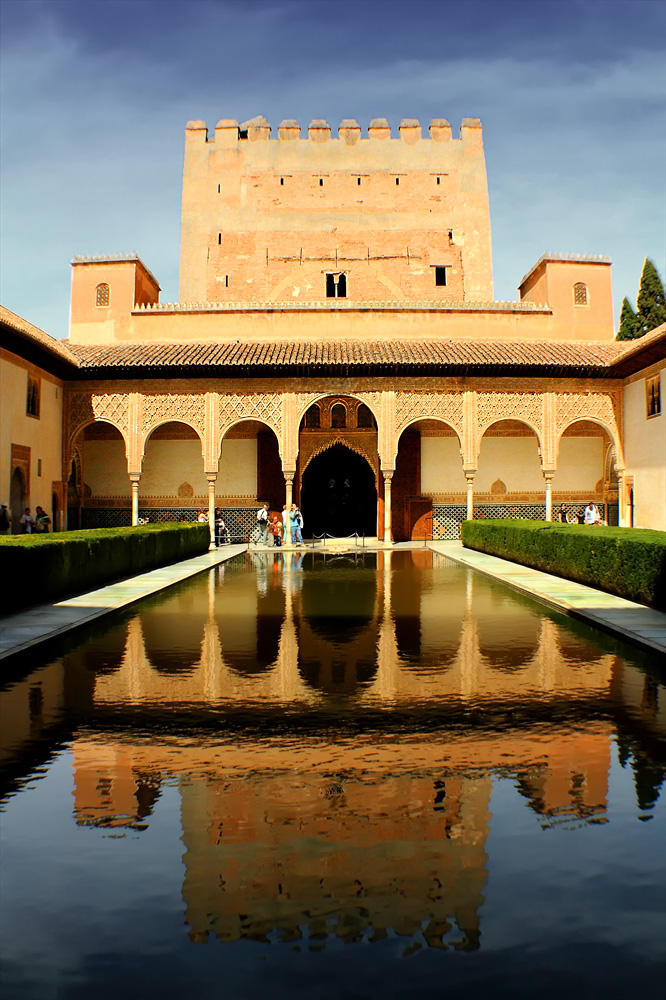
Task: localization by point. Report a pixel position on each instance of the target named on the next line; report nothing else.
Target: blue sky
(95, 96)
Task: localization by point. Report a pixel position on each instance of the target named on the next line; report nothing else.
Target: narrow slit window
(439, 180)
(358, 180)
(440, 276)
(39, 466)
(226, 281)
(102, 294)
(397, 181)
(282, 181)
(321, 182)
(219, 239)
(219, 186)
(653, 396)
(32, 400)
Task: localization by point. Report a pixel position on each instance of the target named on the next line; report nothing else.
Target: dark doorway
(338, 495)
(17, 500)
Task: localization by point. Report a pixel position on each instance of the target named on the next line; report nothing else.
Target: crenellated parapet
(258, 129)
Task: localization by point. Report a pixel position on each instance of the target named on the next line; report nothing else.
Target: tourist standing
(276, 529)
(562, 515)
(296, 523)
(285, 526)
(42, 520)
(28, 522)
(5, 519)
(262, 524)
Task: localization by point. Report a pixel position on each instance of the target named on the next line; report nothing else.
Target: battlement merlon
(228, 132)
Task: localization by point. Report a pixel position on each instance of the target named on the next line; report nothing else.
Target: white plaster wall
(513, 460)
(441, 466)
(580, 463)
(645, 455)
(42, 435)
(238, 468)
(168, 464)
(105, 468)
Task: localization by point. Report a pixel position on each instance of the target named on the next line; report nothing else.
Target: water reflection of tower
(295, 852)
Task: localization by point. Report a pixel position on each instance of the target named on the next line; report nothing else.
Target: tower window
(397, 181)
(439, 179)
(219, 188)
(440, 275)
(219, 239)
(282, 181)
(313, 416)
(102, 294)
(321, 182)
(358, 180)
(33, 397)
(580, 293)
(336, 286)
(339, 416)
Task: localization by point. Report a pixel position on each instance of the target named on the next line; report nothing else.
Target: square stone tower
(316, 218)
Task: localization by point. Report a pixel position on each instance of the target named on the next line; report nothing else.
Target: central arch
(339, 494)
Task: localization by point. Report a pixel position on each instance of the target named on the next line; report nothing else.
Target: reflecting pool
(364, 775)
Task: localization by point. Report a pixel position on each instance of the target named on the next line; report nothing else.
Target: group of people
(591, 515)
(285, 528)
(36, 524)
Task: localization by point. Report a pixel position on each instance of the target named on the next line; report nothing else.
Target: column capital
(135, 477)
(469, 474)
(211, 477)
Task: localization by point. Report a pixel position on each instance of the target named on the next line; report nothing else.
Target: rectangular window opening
(336, 286)
(226, 281)
(219, 188)
(397, 181)
(439, 180)
(321, 182)
(32, 399)
(282, 180)
(219, 239)
(440, 275)
(653, 396)
(358, 180)
(39, 466)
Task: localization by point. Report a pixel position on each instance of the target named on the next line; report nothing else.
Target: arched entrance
(17, 500)
(339, 495)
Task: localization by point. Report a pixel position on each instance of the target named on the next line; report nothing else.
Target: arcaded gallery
(336, 344)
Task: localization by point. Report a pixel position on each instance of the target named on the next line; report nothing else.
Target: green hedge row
(629, 562)
(37, 569)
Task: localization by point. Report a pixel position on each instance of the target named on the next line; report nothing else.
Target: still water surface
(350, 776)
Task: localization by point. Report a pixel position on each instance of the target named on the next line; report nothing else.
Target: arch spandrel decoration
(263, 406)
(524, 406)
(599, 407)
(180, 407)
(84, 408)
(412, 406)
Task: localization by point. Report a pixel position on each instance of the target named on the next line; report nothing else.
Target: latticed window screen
(580, 293)
(102, 294)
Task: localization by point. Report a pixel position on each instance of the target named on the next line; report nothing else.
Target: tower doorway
(339, 495)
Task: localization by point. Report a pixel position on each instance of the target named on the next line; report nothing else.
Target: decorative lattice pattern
(190, 409)
(84, 408)
(411, 406)
(446, 518)
(265, 406)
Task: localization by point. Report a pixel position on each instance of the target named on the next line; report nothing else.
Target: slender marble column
(470, 495)
(388, 536)
(134, 480)
(549, 496)
(289, 481)
(211, 510)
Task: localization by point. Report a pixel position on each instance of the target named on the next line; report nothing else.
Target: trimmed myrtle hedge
(629, 562)
(39, 568)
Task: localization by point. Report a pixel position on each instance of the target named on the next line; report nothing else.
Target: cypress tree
(628, 322)
(651, 304)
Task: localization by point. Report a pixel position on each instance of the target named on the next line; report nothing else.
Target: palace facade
(337, 344)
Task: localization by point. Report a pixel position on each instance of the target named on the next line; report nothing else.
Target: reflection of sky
(96, 96)
(95, 895)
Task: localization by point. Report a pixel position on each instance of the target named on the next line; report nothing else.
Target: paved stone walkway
(614, 614)
(27, 628)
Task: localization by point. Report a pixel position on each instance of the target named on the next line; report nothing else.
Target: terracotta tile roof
(16, 324)
(458, 355)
